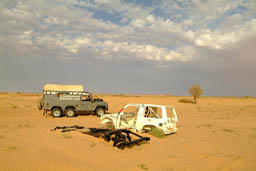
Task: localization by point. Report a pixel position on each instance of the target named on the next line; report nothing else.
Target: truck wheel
(56, 112)
(100, 111)
(70, 112)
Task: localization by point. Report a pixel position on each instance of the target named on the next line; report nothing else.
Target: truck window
(85, 98)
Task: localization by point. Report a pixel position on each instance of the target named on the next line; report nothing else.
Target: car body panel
(138, 120)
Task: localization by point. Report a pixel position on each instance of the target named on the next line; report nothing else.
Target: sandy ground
(218, 133)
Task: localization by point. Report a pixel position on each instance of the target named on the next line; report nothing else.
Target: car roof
(147, 105)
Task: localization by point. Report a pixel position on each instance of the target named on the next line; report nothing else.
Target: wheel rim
(100, 112)
(56, 113)
(70, 113)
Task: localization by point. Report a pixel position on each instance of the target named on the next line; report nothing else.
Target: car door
(153, 118)
(127, 117)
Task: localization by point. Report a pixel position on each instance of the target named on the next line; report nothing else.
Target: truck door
(86, 103)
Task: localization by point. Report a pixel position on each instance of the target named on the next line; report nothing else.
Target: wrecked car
(143, 118)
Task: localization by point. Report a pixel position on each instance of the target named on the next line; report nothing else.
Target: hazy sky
(129, 46)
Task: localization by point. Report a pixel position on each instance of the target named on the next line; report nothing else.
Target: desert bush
(14, 106)
(92, 144)
(157, 132)
(247, 97)
(196, 91)
(184, 100)
(67, 136)
(142, 166)
(208, 125)
(227, 130)
(9, 148)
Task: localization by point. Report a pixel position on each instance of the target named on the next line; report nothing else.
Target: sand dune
(218, 133)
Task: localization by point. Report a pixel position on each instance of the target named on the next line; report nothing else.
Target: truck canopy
(59, 87)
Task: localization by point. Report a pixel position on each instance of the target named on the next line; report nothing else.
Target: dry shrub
(196, 91)
(184, 100)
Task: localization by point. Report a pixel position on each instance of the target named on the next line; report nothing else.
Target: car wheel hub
(70, 113)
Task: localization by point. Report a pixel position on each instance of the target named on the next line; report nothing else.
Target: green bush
(157, 132)
(142, 166)
(67, 136)
(227, 130)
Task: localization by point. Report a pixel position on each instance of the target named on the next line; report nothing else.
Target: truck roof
(59, 87)
(68, 92)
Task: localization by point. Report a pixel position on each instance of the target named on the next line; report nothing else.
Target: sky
(129, 46)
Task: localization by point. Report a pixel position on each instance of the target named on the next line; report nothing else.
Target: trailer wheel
(100, 111)
(70, 112)
(56, 112)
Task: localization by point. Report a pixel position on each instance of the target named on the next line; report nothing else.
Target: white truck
(143, 117)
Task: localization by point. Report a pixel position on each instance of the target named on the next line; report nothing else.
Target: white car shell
(143, 118)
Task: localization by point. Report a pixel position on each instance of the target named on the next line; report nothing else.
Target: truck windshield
(85, 98)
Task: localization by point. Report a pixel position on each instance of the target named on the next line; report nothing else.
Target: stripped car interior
(143, 117)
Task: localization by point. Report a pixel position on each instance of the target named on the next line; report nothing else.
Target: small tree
(196, 92)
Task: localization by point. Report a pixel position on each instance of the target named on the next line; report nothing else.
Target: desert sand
(218, 133)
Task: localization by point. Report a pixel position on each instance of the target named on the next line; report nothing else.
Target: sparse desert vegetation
(66, 136)
(142, 166)
(196, 91)
(9, 148)
(218, 133)
(159, 133)
(184, 100)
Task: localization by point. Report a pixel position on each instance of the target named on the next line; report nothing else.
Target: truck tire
(56, 112)
(100, 111)
(70, 112)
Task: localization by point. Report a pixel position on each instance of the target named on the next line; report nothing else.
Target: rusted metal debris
(68, 128)
(121, 138)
